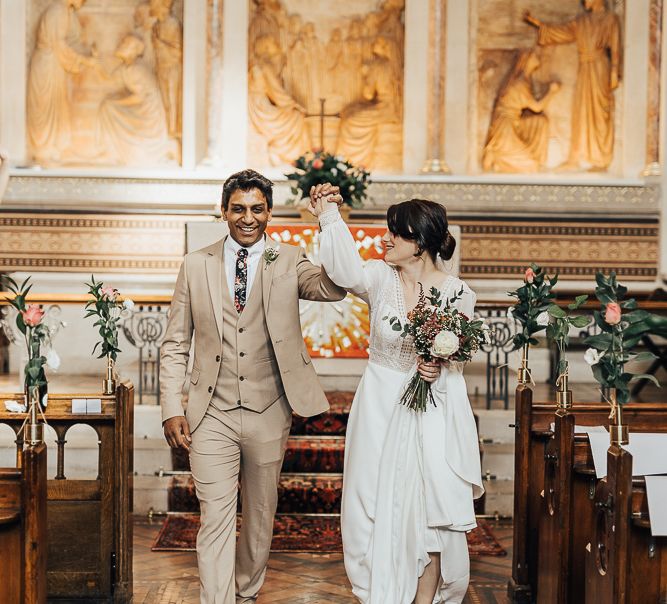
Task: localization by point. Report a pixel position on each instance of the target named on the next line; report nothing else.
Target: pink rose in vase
(32, 315)
(612, 313)
(109, 293)
(529, 275)
(318, 163)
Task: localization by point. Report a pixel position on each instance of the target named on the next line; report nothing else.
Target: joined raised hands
(321, 196)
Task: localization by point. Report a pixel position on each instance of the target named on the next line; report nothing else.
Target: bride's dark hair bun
(425, 223)
(448, 247)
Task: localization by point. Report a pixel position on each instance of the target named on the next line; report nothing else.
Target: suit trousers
(224, 445)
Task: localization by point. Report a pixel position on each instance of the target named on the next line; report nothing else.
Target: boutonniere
(270, 254)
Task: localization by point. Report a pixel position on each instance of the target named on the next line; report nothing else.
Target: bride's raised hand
(429, 371)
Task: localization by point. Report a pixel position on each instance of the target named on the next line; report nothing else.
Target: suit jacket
(196, 309)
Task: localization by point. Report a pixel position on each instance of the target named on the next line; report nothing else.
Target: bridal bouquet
(440, 331)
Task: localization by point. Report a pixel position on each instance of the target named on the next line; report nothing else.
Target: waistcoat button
(210, 388)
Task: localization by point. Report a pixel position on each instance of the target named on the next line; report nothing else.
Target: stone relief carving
(168, 43)
(274, 113)
(519, 133)
(597, 35)
(501, 32)
(132, 124)
(59, 53)
(114, 101)
(345, 61)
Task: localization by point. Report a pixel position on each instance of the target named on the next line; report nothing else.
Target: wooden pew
(23, 529)
(533, 435)
(89, 535)
(623, 563)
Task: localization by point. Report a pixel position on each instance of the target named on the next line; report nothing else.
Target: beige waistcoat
(249, 374)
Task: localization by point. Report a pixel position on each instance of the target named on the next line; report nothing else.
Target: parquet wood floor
(171, 577)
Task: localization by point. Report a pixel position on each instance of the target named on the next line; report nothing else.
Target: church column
(635, 87)
(435, 162)
(456, 98)
(663, 180)
(195, 137)
(234, 120)
(415, 85)
(13, 70)
(653, 125)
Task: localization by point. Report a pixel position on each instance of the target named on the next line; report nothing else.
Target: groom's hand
(322, 195)
(177, 432)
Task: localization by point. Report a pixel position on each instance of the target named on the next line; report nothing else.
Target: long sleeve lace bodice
(379, 286)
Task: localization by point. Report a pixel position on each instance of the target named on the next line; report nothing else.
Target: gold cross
(322, 115)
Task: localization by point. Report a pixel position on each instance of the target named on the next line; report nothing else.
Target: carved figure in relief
(519, 132)
(266, 20)
(144, 22)
(597, 34)
(276, 115)
(353, 59)
(362, 122)
(168, 45)
(58, 53)
(132, 124)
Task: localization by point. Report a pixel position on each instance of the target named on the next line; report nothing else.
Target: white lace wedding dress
(409, 478)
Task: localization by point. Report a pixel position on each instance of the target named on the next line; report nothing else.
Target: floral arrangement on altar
(439, 333)
(319, 167)
(30, 322)
(534, 298)
(610, 350)
(107, 306)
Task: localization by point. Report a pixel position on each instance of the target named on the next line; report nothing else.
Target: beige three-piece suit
(249, 372)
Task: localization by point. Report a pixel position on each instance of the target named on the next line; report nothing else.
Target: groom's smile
(247, 215)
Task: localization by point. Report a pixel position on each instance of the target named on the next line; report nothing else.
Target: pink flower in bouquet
(529, 275)
(317, 163)
(612, 313)
(109, 293)
(32, 315)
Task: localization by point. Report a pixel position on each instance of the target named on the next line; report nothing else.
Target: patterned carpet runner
(302, 533)
(309, 492)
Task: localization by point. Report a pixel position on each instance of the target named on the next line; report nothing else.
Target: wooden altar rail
(533, 434)
(657, 306)
(23, 529)
(89, 540)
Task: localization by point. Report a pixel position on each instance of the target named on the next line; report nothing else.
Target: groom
(239, 298)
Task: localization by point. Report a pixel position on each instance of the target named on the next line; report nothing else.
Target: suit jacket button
(241, 378)
(217, 358)
(241, 354)
(238, 402)
(241, 329)
(210, 388)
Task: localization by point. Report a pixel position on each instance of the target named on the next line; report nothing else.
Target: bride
(410, 477)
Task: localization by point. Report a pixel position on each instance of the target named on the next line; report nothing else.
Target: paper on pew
(648, 449)
(656, 493)
(583, 429)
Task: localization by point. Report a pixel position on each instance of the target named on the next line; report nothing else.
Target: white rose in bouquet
(445, 344)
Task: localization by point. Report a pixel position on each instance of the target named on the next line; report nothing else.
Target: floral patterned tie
(241, 280)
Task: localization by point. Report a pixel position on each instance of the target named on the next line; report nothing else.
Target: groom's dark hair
(246, 180)
(425, 223)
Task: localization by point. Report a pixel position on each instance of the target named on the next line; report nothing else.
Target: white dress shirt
(254, 256)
